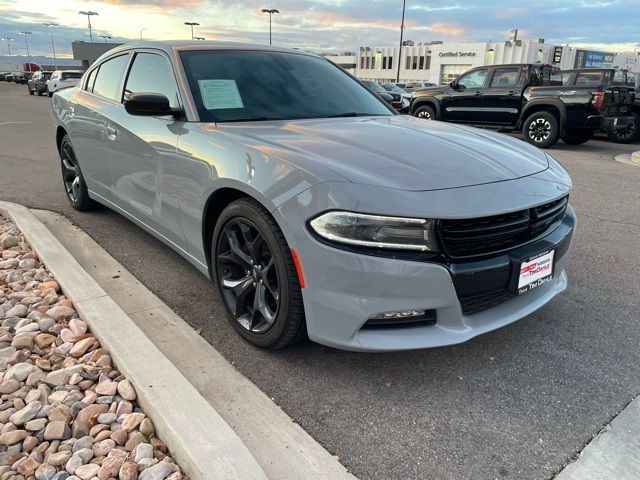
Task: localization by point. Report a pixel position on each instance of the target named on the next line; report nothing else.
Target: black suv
(527, 97)
(602, 78)
(38, 83)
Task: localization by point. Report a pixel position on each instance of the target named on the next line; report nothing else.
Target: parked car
(311, 204)
(38, 82)
(529, 97)
(406, 97)
(22, 77)
(8, 77)
(63, 79)
(413, 86)
(3, 75)
(601, 79)
(396, 98)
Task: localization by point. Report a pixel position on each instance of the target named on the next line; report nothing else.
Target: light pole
(105, 37)
(89, 14)
(270, 11)
(53, 47)
(141, 33)
(192, 24)
(404, 4)
(8, 40)
(26, 35)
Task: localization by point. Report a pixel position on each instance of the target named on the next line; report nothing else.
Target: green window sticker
(220, 94)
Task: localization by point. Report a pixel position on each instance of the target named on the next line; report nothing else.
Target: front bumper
(345, 289)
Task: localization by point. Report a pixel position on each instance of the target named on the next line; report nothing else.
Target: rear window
(505, 77)
(589, 79)
(66, 75)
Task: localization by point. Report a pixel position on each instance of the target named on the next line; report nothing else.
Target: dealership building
(440, 62)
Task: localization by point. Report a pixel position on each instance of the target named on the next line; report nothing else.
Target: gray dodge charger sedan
(315, 208)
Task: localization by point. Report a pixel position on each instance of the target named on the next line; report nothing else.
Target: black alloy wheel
(256, 276)
(541, 129)
(425, 112)
(627, 134)
(72, 179)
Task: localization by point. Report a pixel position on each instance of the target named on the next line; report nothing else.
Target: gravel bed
(65, 410)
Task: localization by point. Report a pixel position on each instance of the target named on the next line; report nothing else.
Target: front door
(502, 98)
(464, 101)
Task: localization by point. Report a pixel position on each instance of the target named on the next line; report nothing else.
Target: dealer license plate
(535, 271)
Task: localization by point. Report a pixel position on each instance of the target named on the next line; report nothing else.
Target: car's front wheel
(72, 179)
(425, 112)
(257, 277)
(541, 129)
(31, 92)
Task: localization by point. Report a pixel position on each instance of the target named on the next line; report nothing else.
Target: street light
(8, 40)
(26, 35)
(192, 24)
(404, 4)
(106, 37)
(89, 14)
(53, 47)
(270, 11)
(141, 32)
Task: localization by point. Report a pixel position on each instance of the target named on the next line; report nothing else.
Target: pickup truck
(601, 79)
(526, 97)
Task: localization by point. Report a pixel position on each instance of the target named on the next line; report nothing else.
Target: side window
(109, 76)
(474, 79)
(90, 81)
(505, 77)
(152, 73)
(589, 79)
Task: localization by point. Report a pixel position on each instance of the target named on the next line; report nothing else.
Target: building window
(449, 73)
(421, 66)
(384, 63)
(368, 62)
(415, 62)
(362, 62)
(373, 62)
(390, 64)
(428, 63)
(408, 66)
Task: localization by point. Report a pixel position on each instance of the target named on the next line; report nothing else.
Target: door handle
(111, 132)
(512, 93)
(477, 94)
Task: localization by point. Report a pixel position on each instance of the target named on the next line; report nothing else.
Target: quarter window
(109, 77)
(151, 73)
(505, 77)
(90, 80)
(474, 79)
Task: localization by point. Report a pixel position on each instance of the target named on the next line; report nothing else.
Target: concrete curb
(629, 158)
(202, 443)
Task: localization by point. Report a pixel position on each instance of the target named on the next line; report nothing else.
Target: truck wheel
(577, 137)
(30, 91)
(541, 129)
(425, 112)
(628, 134)
(39, 92)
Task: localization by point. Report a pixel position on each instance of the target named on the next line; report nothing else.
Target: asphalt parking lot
(518, 403)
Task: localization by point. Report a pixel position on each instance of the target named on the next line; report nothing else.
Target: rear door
(143, 150)
(463, 102)
(502, 97)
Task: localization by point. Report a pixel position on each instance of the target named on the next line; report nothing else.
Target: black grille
(473, 305)
(486, 235)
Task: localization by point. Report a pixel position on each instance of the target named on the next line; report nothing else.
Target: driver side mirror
(149, 105)
(457, 87)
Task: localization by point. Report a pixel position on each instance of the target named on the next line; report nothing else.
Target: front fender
(419, 101)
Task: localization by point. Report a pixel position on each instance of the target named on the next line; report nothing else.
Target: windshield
(235, 85)
(66, 75)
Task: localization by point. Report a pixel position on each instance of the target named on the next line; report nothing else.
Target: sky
(323, 25)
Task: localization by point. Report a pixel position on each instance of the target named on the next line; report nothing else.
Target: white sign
(535, 272)
(220, 94)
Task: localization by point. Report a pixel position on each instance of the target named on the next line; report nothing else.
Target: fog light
(400, 314)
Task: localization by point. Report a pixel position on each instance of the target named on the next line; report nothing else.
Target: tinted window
(589, 79)
(66, 75)
(109, 77)
(46, 75)
(474, 79)
(151, 73)
(505, 77)
(248, 85)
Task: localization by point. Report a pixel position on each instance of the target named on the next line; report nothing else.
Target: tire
(426, 112)
(49, 93)
(279, 321)
(39, 92)
(72, 179)
(31, 92)
(577, 137)
(541, 129)
(626, 135)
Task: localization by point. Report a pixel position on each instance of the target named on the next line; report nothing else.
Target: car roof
(185, 45)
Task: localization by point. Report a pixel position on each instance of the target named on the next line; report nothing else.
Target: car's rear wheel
(627, 134)
(39, 92)
(541, 129)
(426, 112)
(577, 137)
(31, 92)
(49, 93)
(72, 179)
(256, 276)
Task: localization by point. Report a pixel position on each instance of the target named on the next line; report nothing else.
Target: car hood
(399, 152)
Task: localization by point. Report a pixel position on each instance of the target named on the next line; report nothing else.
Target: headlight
(376, 231)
